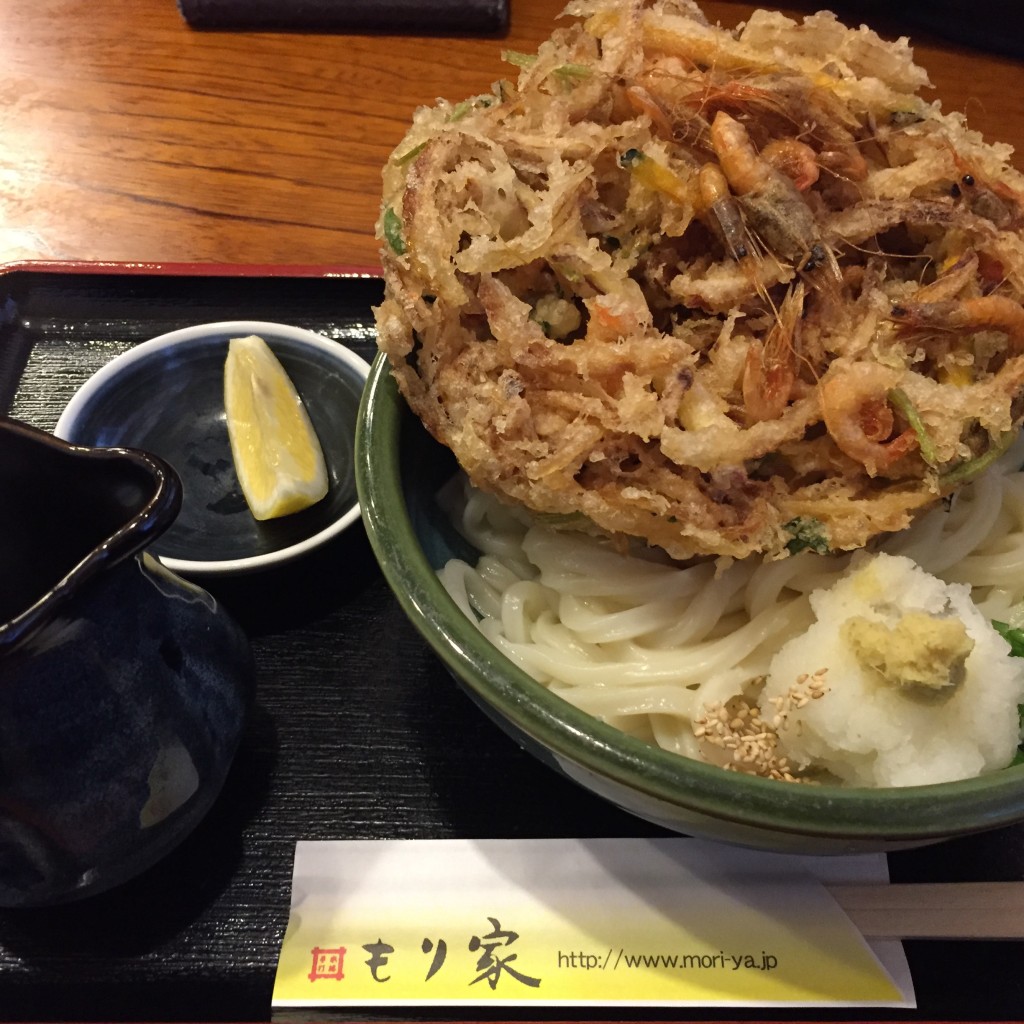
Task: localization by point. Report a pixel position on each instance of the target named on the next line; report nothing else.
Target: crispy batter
(724, 291)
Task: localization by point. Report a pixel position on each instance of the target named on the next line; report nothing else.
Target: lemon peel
(277, 455)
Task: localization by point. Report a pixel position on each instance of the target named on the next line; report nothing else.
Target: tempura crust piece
(726, 292)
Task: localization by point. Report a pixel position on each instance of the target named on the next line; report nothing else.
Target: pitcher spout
(68, 513)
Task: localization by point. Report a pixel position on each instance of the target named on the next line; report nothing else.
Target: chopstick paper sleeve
(396, 17)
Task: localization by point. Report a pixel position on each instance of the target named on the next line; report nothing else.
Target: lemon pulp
(278, 458)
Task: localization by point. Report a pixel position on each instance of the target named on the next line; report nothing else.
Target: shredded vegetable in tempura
(726, 292)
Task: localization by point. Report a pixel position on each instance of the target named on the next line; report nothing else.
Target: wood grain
(961, 910)
(125, 135)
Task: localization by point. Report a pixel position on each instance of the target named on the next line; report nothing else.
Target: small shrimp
(643, 102)
(717, 200)
(783, 107)
(791, 109)
(775, 208)
(994, 201)
(951, 281)
(719, 204)
(984, 201)
(769, 371)
(795, 159)
(858, 417)
(665, 92)
(848, 163)
(741, 97)
(964, 316)
(781, 216)
(746, 172)
(838, 152)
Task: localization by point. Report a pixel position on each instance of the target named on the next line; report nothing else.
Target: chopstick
(944, 910)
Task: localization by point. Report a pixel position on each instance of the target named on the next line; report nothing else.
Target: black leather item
(996, 26)
(397, 17)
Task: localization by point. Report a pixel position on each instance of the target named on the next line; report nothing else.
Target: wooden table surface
(127, 136)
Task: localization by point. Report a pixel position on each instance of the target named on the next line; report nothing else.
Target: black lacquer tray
(358, 732)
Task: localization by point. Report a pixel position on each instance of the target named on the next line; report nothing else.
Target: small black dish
(166, 396)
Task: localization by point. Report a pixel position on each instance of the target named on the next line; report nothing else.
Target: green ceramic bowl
(399, 469)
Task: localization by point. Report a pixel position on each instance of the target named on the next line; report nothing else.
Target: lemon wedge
(278, 458)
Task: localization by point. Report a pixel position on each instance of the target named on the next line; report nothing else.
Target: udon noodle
(646, 644)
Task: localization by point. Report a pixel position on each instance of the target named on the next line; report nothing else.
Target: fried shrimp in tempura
(725, 292)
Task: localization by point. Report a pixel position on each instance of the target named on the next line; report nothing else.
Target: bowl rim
(195, 334)
(911, 814)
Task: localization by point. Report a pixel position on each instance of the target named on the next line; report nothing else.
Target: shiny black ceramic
(123, 688)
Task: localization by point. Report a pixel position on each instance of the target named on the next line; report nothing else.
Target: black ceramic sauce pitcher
(123, 688)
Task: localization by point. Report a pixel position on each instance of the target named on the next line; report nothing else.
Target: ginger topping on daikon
(277, 454)
(919, 650)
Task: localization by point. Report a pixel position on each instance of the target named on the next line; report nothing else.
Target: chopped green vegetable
(1014, 637)
(392, 225)
(972, 467)
(808, 533)
(411, 155)
(518, 59)
(631, 158)
(572, 73)
(460, 110)
(899, 398)
(567, 74)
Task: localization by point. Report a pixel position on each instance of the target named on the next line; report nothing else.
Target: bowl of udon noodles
(436, 546)
(692, 448)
